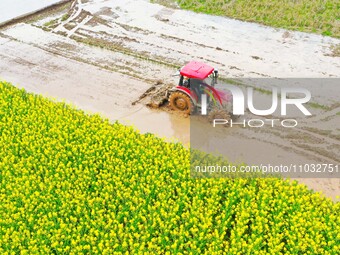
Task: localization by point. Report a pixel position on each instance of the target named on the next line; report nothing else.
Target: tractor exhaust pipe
(215, 76)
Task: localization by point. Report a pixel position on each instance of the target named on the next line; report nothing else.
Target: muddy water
(275, 148)
(172, 127)
(87, 87)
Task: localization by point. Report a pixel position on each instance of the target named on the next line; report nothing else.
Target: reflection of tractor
(193, 82)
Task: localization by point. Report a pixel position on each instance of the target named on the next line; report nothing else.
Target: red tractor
(193, 83)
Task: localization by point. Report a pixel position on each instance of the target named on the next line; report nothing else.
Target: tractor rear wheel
(179, 101)
(218, 113)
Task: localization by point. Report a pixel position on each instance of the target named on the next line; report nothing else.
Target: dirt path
(105, 54)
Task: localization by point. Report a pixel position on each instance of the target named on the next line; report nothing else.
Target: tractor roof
(196, 70)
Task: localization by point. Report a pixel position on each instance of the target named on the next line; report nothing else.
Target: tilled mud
(155, 96)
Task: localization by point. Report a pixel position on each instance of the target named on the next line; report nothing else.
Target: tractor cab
(196, 78)
(195, 73)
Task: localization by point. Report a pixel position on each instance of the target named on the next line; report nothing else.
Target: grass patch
(65, 16)
(316, 16)
(54, 22)
(51, 23)
(75, 183)
(319, 106)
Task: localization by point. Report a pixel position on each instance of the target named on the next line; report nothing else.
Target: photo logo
(280, 98)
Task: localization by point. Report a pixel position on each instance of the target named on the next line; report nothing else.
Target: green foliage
(317, 16)
(65, 17)
(51, 23)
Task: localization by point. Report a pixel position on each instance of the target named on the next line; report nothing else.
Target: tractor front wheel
(218, 113)
(179, 101)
